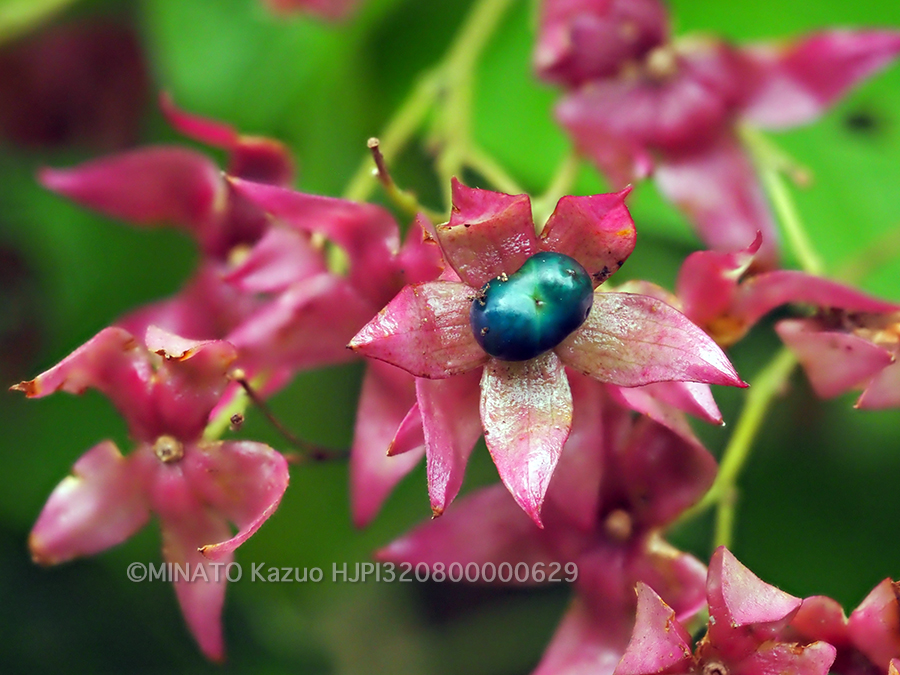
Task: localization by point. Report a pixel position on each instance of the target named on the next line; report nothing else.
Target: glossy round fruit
(519, 316)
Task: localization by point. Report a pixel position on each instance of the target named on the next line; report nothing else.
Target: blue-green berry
(519, 316)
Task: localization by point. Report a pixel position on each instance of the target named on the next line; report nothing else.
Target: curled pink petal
(449, 410)
(708, 280)
(386, 397)
(100, 505)
(189, 382)
(526, 410)
(241, 480)
(489, 233)
(834, 362)
(659, 644)
(113, 363)
(425, 330)
(795, 83)
(150, 186)
(597, 231)
(631, 340)
(253, 158)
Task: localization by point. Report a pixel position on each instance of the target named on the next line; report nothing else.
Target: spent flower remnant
(850, 341)
(620, 481)
(746, 633)
(640, 102)
(435, 330)
(197, 488)
(868, 642)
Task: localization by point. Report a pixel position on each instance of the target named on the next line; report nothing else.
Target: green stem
(488, 167)
(770, 163)
(450, 84)
(781, 199)
(20, 16)
(403, 125)
(764, 388)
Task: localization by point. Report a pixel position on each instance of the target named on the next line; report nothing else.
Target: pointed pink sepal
(597, 231)
(425, 330)
(386, 397)
(630, 340)
(149, 186)
(489, 233)
(795, 83)
(737, 598)
(526, 411)
(100, 505)
(451, 425)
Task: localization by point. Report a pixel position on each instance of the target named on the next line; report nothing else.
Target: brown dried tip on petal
(29, 388)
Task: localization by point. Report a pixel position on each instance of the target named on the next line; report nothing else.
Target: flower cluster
(486, 324)
(639, 102)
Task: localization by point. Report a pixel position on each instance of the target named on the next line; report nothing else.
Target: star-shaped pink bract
(526, 406)
(620, 480)
(196, 488)
(747, 619)
(638, 102)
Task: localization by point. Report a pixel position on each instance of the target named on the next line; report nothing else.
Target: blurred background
(80, 78)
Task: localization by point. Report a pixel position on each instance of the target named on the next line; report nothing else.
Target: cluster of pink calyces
(587, 425)
(639, 102)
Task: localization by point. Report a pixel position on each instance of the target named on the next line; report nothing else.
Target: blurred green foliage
(816, 505)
